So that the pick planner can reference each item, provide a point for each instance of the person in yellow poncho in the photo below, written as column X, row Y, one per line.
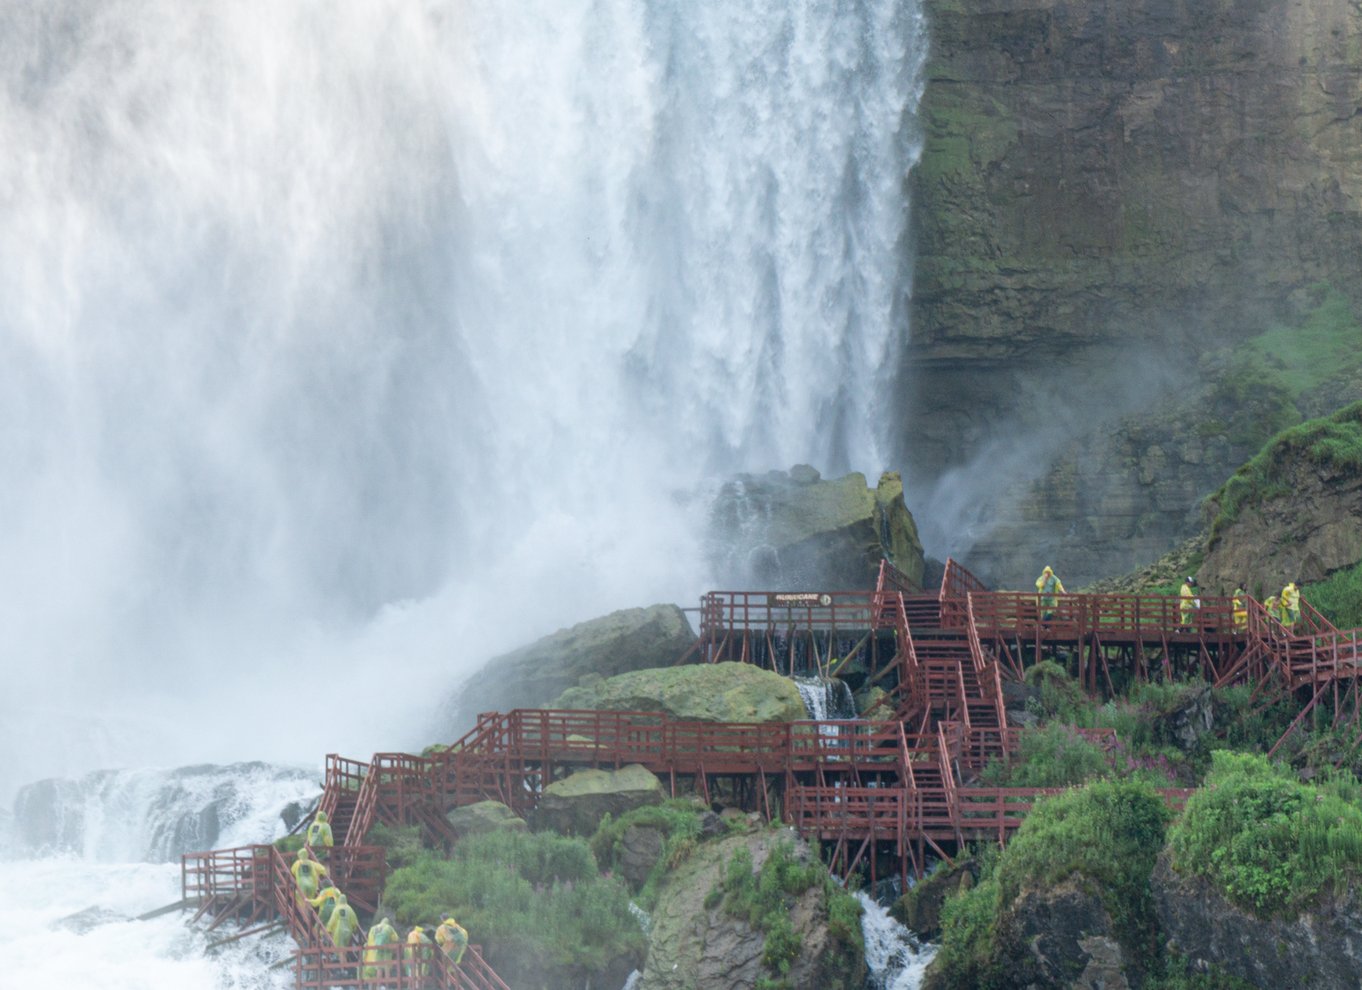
column 319, row 835
column 418, row 952
column 1189, row 602
column 452, row 938
column 380, row 951
column 1290, row 605
column 343, row 924
column 325, row 901
column 1240, row 608
column 307, row 874
column 1048, row 589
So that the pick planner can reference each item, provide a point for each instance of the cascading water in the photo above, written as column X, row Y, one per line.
column 896, row 958
column 826, row 698
column 335, row 332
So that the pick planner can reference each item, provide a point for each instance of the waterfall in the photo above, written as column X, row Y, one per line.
column 155, row 815
column 894, row 955
column 826, row 698
column 325, row 325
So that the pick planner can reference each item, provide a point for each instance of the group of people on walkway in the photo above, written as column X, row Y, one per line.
column 382, row 944
column 1285, row 607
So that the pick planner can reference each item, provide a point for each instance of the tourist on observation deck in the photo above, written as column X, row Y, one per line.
column 1048, row 589
column 1189, row 602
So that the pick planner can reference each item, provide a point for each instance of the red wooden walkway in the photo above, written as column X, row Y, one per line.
column 896, row 785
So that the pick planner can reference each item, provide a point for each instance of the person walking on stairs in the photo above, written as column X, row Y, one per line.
column 319, row 838
column 325, row 901
column 343, row 924
column 307, row 873
column 1291, row 605
column 452, row 938
column 380, row 962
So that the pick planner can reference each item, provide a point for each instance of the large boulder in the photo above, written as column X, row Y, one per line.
column 576, row 804
column 697, row 945
column 796, row 530
column 484, row 816
column 713, row 692
column 1057, row 936
column 1320, row 949
column 630, row 639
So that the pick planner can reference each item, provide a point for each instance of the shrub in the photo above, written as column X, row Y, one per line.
column 968, row 956
column 1052, row 756
column 1108, row 832
column 1270, row 842
column 1339, row 597
column 679, row 820
column 536, row 896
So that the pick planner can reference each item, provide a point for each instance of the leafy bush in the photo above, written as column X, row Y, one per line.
column 1060, row 694
column 679, row 821
column 1270, row 842
column 402, row 842
column 535, row 896
column 1052, row 756
column 968, row 956
column 1108, row 832
column 1339, row 597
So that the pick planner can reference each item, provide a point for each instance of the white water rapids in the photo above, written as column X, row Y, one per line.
column 344, row 345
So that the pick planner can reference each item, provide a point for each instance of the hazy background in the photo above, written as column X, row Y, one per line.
column 344, row 345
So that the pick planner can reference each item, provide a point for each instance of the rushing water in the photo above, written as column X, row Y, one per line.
column 896, row 957
column 333, row 333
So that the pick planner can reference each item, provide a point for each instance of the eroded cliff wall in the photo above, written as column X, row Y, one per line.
column 1111, row 194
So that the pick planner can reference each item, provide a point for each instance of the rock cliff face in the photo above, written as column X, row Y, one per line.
column 1304, row 533
column 1319, row 950
column 1108, row 191
column 699, row 947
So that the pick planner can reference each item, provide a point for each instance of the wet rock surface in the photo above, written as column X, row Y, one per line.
column 1320, row 949
column 630, row 639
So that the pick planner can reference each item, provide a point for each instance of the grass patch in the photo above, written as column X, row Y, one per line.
column 1270, row 842
column 1054, row 755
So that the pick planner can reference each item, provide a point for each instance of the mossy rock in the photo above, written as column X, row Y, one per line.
column 718, row 692
column 484, row 816
column 576, row 804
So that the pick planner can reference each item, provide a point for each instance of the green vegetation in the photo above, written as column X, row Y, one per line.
column 402, row 842
column 763, row 899
column 1052, row 756
column 1338, row 597
column 1332, row 442
column 538, row 897
column 679, row 822
column 1270, row 842
column 1105, row 835
column 1259, row 383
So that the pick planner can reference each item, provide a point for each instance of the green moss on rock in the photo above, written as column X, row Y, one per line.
column 720, row 692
